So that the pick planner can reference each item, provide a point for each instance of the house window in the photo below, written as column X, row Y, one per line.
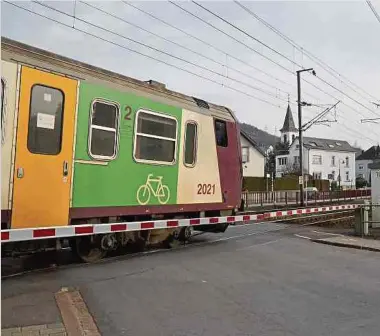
column 293, row 137
column 317, row 159
column 45, row 120
column 347, row 162
column 104, row 130
column 361, row 167
column 333, row 161
column 155, row 138
column 296, row 160
column 285, row 138
column 317, row 176
column 2, row 109
column 190, row 144
column 347, row 176
column 221, row 133
column 245, row 154
column 361, row 176
column 282, row 161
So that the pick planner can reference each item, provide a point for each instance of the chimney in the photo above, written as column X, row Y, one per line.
column 156, row 84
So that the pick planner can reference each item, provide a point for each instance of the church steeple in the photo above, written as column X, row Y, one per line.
column 289, row 129
column 289, row 125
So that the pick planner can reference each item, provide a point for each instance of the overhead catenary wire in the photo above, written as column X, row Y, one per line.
column 208, row 44
column 142, row 54
column 373, row 10
column 310, row 55
column 266, row 57
column 273, row 95
column 180, row 45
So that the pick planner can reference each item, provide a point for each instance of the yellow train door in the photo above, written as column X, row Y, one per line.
column 44, row 150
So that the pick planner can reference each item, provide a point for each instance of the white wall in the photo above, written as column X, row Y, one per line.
column 256, row 161
column 326, row 167
column 375, row 190
column 293, row 152
column 365, row 171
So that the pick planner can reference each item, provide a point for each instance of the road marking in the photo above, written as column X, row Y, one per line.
column 328, row 233
column 304, row 237
column 266, row 243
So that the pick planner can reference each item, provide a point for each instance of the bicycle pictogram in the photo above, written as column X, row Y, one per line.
column 145, row 191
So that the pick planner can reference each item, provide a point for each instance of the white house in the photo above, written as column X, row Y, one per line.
column 375, row 177
column 364, row 160
column 252, row 156
column 322, row 158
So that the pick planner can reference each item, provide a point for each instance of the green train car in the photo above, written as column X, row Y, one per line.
column 82, row 145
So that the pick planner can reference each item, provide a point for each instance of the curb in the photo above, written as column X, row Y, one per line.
column 75, row 315
column 358, row 247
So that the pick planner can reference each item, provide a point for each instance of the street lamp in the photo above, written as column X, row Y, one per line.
column 300, row 139
column 340, row 177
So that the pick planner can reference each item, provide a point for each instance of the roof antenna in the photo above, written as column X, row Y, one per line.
column 288, row 98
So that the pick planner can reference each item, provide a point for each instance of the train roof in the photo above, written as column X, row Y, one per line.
column 27, row 55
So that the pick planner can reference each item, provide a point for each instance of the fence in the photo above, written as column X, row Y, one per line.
column 367, row 216
column 253, row 199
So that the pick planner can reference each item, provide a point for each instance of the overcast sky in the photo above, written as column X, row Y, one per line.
column 345, row 35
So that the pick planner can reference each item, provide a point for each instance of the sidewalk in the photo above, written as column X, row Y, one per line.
column 351, row 242
column 47, row 314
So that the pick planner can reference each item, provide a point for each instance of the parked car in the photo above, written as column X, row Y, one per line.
column 311, row 192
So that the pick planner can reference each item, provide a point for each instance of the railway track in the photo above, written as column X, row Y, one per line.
column 51, row 261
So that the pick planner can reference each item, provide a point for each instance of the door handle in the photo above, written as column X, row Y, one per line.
column 65, row 168
column 20, row 172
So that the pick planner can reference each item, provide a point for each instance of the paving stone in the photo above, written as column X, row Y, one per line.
column 10, row 331
column 54, row 331
column 33, row 328
column 55, row 325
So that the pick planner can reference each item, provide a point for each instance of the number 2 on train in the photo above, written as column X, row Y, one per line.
column 206, row 189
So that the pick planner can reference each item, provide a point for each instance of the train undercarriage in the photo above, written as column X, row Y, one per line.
column 91, row 248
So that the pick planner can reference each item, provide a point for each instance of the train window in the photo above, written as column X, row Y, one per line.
column 2, row 109
column 155, row 138
column 104, row 130
column 221, row 133
column 190, row 144
column 45, row 120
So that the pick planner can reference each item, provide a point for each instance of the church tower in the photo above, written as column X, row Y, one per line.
column 288, row 131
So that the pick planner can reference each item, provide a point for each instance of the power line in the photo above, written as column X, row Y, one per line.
column 142, row 54
column 255, row 39
column 373, row 10
column 208, row 44
column 230, row 36
column 247, row 34
column 179, row 45
column 162, row 52
column 288, row 70
column 311, row 56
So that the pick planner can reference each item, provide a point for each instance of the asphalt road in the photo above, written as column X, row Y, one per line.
column 252, row 280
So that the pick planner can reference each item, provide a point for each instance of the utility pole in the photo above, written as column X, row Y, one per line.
column 300, row 136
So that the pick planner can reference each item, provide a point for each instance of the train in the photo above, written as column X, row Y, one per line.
column 84, row 145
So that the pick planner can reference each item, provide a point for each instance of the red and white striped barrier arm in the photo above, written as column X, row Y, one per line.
column 15, row 235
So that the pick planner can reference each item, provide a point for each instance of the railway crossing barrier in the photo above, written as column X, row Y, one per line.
column 16, row 235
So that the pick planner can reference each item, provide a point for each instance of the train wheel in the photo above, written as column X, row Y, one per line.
column 88, row 249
